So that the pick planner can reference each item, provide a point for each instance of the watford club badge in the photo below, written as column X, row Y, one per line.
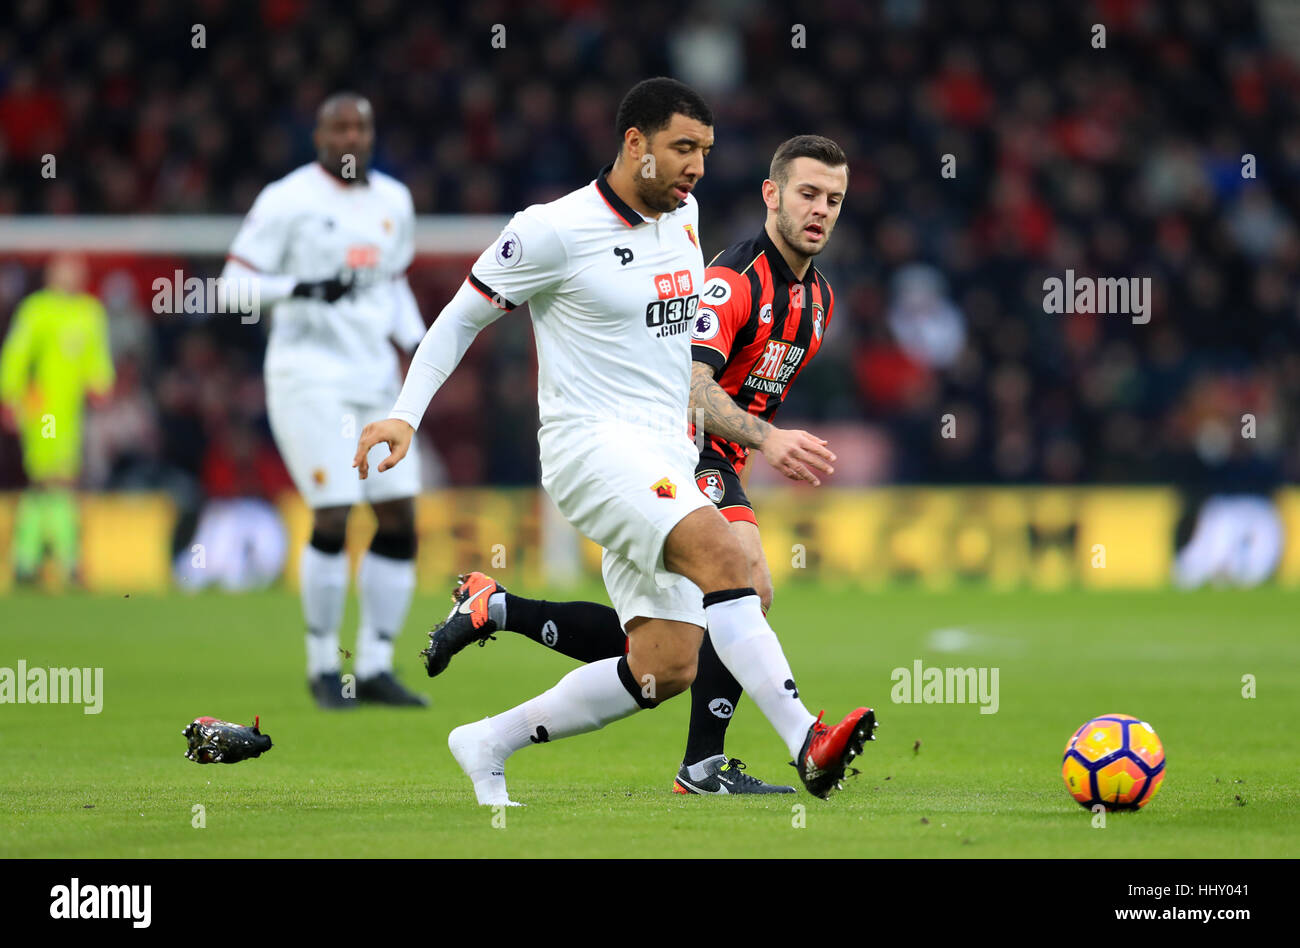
column 664, row 488
column 710, row 485
column 690, row 232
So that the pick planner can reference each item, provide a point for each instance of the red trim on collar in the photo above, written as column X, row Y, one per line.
column 615, row 210
column 612, row 201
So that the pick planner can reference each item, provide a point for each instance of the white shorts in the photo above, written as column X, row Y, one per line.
column 626, row 490
column 316, row 430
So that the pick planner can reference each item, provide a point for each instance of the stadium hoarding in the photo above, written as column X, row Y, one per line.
column 1007, row 538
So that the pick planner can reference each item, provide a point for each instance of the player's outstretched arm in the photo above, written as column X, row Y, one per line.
column 271, row 288
column 253, row 265
column 793, row 452
column 391, row 431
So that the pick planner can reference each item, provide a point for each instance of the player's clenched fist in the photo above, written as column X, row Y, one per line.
column 794, row 453
column 392, row 432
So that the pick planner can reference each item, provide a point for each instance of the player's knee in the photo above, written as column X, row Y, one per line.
column 329, row 528
column 763, row 586
column 395, row 517
column 395, row 530
column 673, row 676
column 662, row 666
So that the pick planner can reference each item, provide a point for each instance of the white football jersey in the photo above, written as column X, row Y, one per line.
column 612, row 297
column 311, row 226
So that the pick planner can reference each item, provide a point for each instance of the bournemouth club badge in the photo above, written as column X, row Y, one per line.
column 710, row 485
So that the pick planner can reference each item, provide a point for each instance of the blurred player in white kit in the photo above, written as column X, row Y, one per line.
column 327, row 247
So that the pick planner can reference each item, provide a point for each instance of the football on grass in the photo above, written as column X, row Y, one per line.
column 1115, row 760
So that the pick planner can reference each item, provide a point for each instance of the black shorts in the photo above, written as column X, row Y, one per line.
column 718, row 481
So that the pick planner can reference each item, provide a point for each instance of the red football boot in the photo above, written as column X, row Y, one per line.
column 827, row 751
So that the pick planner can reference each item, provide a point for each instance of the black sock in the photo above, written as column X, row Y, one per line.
column 714, row 695
column 586, row 631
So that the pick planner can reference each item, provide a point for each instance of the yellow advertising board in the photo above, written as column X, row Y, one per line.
column 932, row 537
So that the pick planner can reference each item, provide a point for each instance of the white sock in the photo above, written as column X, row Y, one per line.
column 483, row 758
column 323, row 587
column 750, row 650
column 586, row 699
column 385, row 586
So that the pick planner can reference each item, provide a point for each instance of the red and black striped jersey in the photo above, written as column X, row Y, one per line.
column 758, row 325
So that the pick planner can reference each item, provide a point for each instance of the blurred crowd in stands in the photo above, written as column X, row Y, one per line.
column 1173, row 152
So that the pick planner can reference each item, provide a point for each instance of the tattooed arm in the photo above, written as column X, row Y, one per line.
column 792, row 452
column 717, row 412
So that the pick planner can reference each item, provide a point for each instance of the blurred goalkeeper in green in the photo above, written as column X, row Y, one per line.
column 56, row 350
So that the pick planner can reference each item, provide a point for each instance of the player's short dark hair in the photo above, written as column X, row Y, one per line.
column 651, row 104
column 816, row 147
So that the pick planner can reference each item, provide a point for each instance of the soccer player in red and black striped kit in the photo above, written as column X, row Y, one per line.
column 764, row 312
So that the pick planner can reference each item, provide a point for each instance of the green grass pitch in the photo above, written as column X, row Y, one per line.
column 381, row 782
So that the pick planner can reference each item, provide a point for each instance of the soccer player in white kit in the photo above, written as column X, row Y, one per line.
column 612, row 273
column 327, row 247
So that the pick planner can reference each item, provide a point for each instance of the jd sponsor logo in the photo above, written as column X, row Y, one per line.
column 920, row 685
column 25, row 685
column 721, row 708
column 103, row 901
column 550, row 633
